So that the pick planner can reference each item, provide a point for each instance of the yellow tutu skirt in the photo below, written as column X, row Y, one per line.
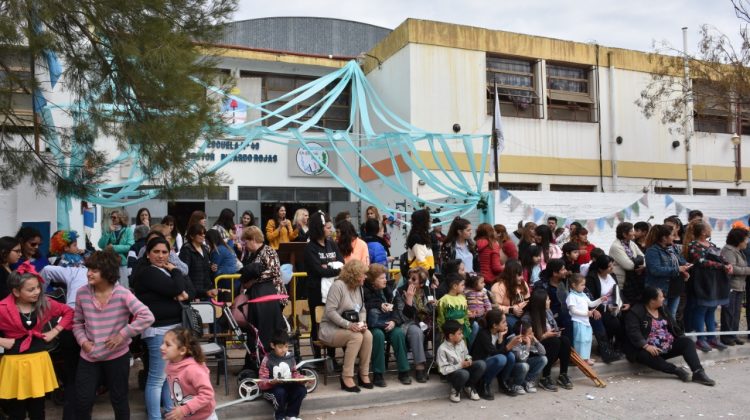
column 26, row 376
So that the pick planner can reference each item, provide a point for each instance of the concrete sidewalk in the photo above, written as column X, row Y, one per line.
column 330, row 398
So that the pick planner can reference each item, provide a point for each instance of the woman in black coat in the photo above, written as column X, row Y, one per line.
column 606, row 325
column 196, row 256
column 652, row 337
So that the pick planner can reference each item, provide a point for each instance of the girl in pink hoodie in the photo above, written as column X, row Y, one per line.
column 187, row 377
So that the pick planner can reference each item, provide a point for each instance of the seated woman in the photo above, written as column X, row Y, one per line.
column 510, row 293
column 344, row 324
column 652, row 337
column 385, row 323
column 605, row 323
column 548, row 333
column 415, row 305
column 553, row 279
column 498, row 359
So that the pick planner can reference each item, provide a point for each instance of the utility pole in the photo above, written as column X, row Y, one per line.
column 688, row 120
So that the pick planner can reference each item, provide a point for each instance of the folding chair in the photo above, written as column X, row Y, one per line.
column 328, row 365
column 212, row 348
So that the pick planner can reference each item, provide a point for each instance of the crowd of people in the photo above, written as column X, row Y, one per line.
column 507, row 306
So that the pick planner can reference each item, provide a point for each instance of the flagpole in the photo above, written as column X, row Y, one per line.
column 496, row 184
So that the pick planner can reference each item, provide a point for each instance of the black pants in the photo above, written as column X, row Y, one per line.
column 70, row 352
column 556, row 348
column 18, row 409
column 286, row 399
column 682, row 346
column 467, row 377
column 115, row 373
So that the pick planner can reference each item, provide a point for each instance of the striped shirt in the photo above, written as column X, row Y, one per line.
column 96, row 322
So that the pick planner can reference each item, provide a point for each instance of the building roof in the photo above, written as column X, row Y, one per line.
column 305, row 35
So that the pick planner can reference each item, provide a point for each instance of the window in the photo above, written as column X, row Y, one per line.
column 705, row 191
column 569, row 94
column 572, row 188
column 16, row 83
column 277, row 194
column 520, row 186
column 711, row 108
column 736, row 192
column 339, row 194
column 277, row 85
column 516, row 87
column 669, row 190
column 247, row 193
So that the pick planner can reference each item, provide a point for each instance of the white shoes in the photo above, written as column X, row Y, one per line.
column 530, row 388
column 455, row 396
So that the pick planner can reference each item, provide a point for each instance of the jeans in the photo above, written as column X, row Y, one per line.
column 286, row 399
column 704, row 317
column 730, row 314
column 498, row 366
column 157, row 391
column 474, row 332
column 671, row 305
column 467, row 377
column 536, row 364
column 115, row 374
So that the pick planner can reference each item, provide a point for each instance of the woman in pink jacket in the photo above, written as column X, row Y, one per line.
column 490, row 255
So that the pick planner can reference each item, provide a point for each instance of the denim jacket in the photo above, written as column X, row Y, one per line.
column 661, row 267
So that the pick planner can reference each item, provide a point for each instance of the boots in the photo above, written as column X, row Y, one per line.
column 605, row 349
column 485, row 391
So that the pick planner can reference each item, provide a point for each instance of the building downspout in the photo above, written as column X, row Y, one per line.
column 599, row 122
column 612, row 121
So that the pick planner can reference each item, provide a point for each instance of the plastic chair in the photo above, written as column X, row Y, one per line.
column 213, row 348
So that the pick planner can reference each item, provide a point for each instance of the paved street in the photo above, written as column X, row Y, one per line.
column 635, row 396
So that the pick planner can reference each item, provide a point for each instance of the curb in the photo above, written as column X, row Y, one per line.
column 331, row 400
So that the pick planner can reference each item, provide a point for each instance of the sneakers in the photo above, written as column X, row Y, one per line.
column 518, row 389
column 564, row 381
column 455, row 396
column 683, row 374
column 529, row 387
column 703, row 346
column 507, row 389
column 485, row 391
column 473, row 395
column 547, row 384
column 700, row 377
column 717, row 344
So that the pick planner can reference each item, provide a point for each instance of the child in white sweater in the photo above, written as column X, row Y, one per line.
column 580, row 309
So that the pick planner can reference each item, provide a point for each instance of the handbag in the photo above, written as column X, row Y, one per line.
column 191, row 320
column 350, row 315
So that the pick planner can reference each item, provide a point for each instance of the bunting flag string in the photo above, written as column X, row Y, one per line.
column 597, row 223
column 715, row 222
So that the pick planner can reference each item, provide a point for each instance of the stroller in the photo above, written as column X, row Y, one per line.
column 247, row 379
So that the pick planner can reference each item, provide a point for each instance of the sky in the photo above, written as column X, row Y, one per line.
column 631, row 24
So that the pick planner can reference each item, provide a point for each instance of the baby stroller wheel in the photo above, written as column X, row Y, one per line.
column 249, row 389
column 312, row 374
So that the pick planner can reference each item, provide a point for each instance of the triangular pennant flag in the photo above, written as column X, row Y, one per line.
column 636, row 208
column 538, row 215
column 611, row 221
column 504, row 194
column 720, row 224
column 590, row 225
column 527, row 211
column 712, row 222
column 628, row 213
column 514, row 203
column 678, row 208
column 600, row 223
column 620, row 215
column 668, row 200
column 644, row 200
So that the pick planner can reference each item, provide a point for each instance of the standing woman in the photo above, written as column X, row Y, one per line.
column 350, row 245
column 528, row 237
column 666, row 270
column 246, row 220
column 26, row 368
column 143, row 217
column 301, row 217
column 197, row 258
column 557, row 346
column 197, row 217
column 119, row 237
column 173, row 236
column 490, row 255
column 506, row 244
column 225, row 226
column 10, row 253
column 709, row 282
column 550, row 250
column 628, row 258
column 223, row 259
column 162, row 288
column 418, row 244
column 458, row 245
column 581, row 238
column 30, row 239
column 734, row 253
column 320, row 252
column 279, row 230
column 261, row 276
